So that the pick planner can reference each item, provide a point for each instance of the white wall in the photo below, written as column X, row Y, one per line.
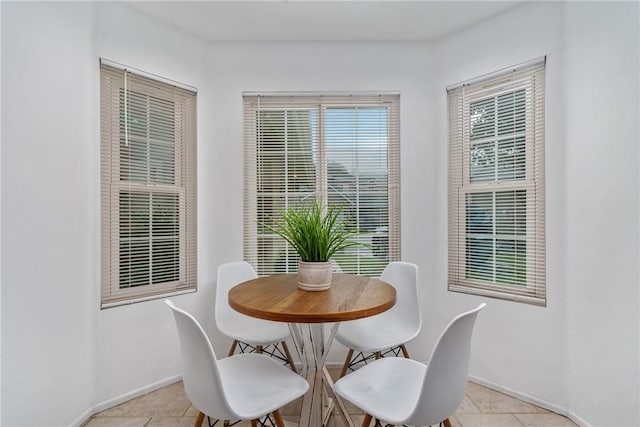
column 62, row 355
column 47, row 239
column 601, row 168
column 137, row 343
column 581, row 351
column 0, row 222
column 404, row 67
column 517, row 346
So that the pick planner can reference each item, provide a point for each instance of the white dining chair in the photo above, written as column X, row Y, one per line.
column 249, row 334
column 386, row 333
column 406, row 392
column 241, row 387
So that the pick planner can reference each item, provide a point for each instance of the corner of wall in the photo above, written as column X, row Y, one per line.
column 602, row 269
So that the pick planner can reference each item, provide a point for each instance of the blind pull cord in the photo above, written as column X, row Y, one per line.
column 126, row 110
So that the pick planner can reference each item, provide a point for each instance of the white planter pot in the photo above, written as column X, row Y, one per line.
column 314, row 276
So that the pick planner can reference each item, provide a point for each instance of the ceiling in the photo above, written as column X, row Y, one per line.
column 292, row 20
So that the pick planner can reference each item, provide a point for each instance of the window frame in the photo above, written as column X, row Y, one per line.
column 530, row 78
column 254, row 103
column 115, row 81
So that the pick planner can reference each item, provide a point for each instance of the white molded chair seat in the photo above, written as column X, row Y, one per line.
column 404, row 391
column 393, row 328
column 391, row 374
column 239, row 387
column 256, row 385
column 255, row 332
column 375, row 335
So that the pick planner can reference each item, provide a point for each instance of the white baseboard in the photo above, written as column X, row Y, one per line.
column 82, row 418
column 533, row 400
column 123, row 398
column 578, row 420
column 522, row 396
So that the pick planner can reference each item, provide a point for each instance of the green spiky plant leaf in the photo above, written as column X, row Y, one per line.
column 314, row 234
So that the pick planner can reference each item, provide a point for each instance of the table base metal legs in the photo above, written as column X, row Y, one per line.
column 318, row 403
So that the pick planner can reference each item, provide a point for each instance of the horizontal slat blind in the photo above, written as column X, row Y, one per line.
column 342, row 149
column 496, row 186
column 148, row 187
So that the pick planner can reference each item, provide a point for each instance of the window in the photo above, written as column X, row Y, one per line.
column 148, row 186
column 343, row 150
column 496, row 185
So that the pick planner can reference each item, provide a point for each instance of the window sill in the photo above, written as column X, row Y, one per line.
column 499, row 294
column 134, row 300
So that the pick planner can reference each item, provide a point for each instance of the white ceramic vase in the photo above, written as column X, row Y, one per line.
column 314, row 276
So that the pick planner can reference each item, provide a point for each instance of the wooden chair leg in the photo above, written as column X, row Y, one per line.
column 405, row 353
column 289, row 358
column 254, row 423
column 258, row 349
column 378, row 355
column 447, row 423
column 199, row 420
column 278, row 418
column 366, row 421
column 227, row 423
column 346, row 363
column 233, row 347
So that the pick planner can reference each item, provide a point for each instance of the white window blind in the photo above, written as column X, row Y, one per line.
column 343, row 150
column 496, row 185
column 148, row 186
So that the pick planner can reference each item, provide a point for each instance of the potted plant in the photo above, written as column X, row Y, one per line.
column 316, row 235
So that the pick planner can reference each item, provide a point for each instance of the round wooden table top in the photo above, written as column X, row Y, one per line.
column 278, row 298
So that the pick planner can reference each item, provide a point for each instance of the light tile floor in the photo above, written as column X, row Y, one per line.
column 481, row 407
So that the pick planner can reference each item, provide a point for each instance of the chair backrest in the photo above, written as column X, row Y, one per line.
column 229, row 275
column 200, row 373
column 404, row 278
column 447, row 373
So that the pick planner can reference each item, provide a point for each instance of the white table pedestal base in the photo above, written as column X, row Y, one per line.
column 318, row 403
